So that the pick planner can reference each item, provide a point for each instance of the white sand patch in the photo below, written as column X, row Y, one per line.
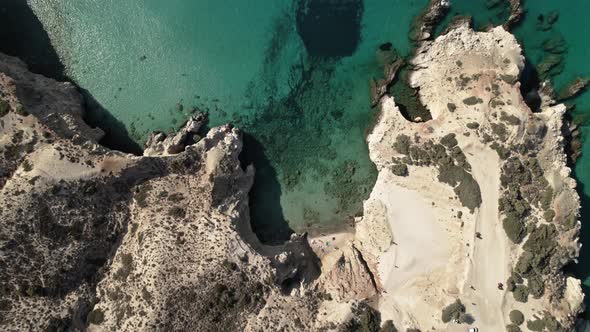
column 419, row 242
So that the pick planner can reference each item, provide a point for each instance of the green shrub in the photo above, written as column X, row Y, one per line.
column 501, row 150
column 514, row 229
column 536, row 325
column 542, row 241
column 460, row 158
column 399, row 169
column 95, row 317
column 449, row 140
column 510, row 79
column 516, row 317
column 27, row 167
column 510, row 284
column 472, row 125
column 453, row 312
column 469, row 193
column 176, row 197
column 20, row 110
column 465, row 186
column 510, row 119
column 473, row 100
column 176, row 212
column 499, row 129
column 536, row 286
column 524, row 265
column 419, row 155
column 126, row 267
column 547, row 198
column 366, row 319
column 549, row 215
column 513, row 328
column 142, row 194
column 451, row 107
column 4, row 108
column 551, row 324
column 570, row 222
column 402, row 144
column 521, row 293
column 388, row 327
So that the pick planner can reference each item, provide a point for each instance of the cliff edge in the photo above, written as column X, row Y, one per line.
column 476, row 207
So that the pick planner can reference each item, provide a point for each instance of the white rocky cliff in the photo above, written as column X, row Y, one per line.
column 477, row 204
column 473, row 216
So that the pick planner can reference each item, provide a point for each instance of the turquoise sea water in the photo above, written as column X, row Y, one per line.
column 294, row 75
column 301, row 95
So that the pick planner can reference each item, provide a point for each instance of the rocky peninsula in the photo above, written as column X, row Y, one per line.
column 470, row 223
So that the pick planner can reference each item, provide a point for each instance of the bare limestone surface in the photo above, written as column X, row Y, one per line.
column 98, row 240
column 479, row 203
column 473, row 216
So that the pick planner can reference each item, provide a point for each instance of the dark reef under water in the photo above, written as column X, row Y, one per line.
column 328, row 28
column 299, row 116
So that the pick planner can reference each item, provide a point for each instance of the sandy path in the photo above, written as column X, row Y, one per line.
column 420, row 244
column 490, row 258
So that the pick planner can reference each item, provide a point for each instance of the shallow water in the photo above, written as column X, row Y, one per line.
column 294, row 75
column 301, row 96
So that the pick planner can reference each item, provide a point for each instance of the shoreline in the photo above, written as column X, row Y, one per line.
column 442, row 243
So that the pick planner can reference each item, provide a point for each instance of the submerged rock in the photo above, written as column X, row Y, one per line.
column 574, row 88
column 158, row 144
column 424, row 24
column 516, row 13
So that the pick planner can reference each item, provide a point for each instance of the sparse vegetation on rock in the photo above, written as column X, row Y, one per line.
column 454, row 312
column 514, row 229
column 95, row 317
column 512, row 328
column 399, row 169
column 510, row 119
column 388, row 327
column 521, row 293
column 516, row 317
column 473, row 100
column 4, row 108
column 449, row 140
column 402, row 144
column 366, row 319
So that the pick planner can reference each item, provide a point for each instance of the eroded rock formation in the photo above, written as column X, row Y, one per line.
column 472, row 218
column 100, row 240
column 479, row 203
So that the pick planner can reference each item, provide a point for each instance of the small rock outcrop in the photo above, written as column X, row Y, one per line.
column 425, row 23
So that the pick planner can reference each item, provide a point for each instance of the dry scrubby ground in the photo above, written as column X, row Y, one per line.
column 478, row 195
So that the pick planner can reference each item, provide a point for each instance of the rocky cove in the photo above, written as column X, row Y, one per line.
column 473, row 215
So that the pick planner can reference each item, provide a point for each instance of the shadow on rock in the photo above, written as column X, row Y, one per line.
column 266, row 213
column 530, row 83
column 116, row 135
column 582, row 269
column 23, row 36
